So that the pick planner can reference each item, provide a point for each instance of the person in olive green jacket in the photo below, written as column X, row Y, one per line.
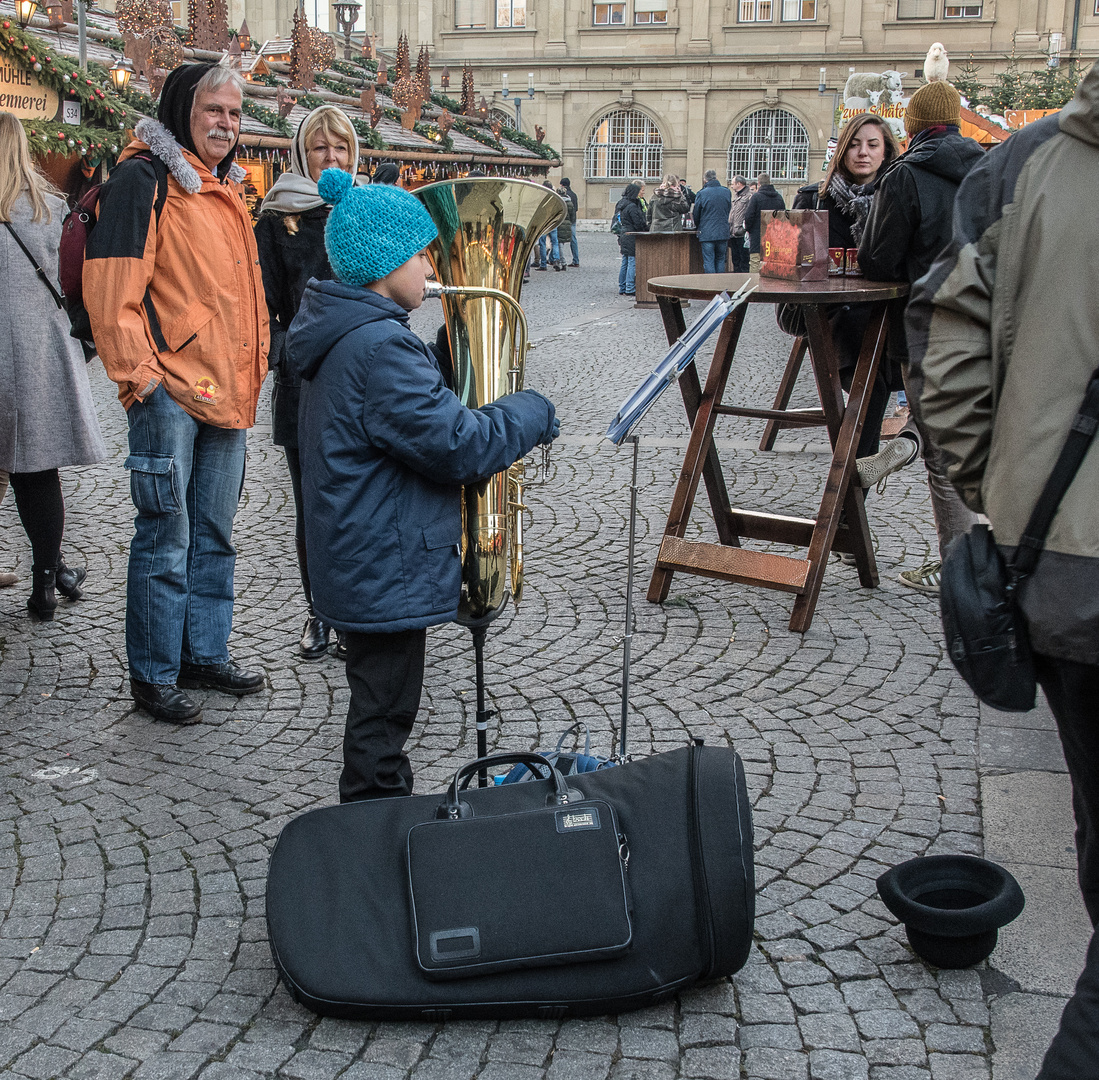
column 1003, row 336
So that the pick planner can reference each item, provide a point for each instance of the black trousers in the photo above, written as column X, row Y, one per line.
column 386, row 676
column 42, row 511
column 1073, row 693
column 738, row 255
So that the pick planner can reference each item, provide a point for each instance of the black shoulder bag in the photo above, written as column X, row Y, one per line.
column 985, row 630
column 37, row 269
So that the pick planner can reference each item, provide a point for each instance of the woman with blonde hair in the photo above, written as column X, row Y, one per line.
column 290, row 238
column 668, row 206
column 47, row 419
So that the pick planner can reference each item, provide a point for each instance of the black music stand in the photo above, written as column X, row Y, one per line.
column 479, row 629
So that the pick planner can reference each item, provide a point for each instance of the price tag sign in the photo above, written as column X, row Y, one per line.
column 70, row 112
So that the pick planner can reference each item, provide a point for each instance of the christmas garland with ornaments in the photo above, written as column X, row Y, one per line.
column 101, row 140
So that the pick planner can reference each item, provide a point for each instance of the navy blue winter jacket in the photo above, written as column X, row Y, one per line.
column 711, row 212
column 385, row 447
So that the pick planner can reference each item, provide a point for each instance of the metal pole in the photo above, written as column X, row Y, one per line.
column 82, row 34
column 628, row 638
column 483, row 714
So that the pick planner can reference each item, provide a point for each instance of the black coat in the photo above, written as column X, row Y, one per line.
column 912, row 214
column 633, row 221
column 911, row 217
column 764, row 199
column 288, row 260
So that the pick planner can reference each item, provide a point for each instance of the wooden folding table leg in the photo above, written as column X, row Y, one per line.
column 785, row 390
column 691, row 390
column 699, row 446
column 844, row 428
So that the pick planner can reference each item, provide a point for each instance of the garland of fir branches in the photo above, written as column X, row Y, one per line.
column 484, row 137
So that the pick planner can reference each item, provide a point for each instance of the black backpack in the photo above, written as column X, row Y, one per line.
column 616, row 225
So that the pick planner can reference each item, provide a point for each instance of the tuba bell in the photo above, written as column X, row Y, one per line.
column 488, row 228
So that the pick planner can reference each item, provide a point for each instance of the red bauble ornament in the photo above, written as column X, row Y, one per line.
column 7, row 25
column 33, row 60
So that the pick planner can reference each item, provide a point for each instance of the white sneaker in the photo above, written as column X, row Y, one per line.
column 872, row 470
column 927, row 579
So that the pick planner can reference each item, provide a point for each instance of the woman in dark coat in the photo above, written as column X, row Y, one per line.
column 47, row 418
column 290, row 238
column 865, row 149
column 631, row 218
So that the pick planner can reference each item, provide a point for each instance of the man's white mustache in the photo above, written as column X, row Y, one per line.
column 217, row 133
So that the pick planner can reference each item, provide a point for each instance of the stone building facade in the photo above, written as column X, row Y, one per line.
column 644, row 87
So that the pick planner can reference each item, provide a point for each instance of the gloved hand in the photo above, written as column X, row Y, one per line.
column 553, row 428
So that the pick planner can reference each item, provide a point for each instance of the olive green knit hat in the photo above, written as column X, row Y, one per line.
column 935, row 103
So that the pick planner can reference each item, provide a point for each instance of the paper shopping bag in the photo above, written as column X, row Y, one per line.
column 794, row 245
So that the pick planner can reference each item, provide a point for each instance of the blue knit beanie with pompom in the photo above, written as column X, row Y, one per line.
column 371, row 230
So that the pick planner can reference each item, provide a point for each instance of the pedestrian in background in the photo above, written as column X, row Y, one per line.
column 566, row 229
column 908, row 226
column 738, row 247
column 668, row 206
column 178, row 313
column 555, row 259
column 712, row 206
column 630, row 219
column 1003, row 337
column 290, row 239
column 567, row 185
column 47, row 418
column 764, row 198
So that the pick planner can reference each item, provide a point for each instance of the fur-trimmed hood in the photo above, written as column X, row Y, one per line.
column 164, row 145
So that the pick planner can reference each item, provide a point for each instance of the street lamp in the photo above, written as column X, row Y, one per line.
column 347, row 15
column 445, row 78
column 55, row 12
column 822, row 89
column 504, row 92
column 24, row 11
column 121, row 72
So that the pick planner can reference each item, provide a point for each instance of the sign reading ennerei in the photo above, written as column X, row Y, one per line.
column 22, row 94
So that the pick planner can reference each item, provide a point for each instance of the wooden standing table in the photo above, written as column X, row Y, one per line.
column 727, row 560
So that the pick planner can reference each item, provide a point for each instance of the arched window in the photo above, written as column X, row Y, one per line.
column 622, row 144
column 770, row 141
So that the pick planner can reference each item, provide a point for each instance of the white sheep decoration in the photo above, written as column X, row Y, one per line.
column 868, row 88
column 937, row 65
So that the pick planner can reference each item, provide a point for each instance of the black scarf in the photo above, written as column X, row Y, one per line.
column 174, row 111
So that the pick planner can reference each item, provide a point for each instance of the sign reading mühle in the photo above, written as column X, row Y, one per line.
column 22, row 94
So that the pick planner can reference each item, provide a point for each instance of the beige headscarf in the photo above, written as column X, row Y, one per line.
column 294, row 192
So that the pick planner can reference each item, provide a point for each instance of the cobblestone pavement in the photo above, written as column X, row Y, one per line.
column 133, row 855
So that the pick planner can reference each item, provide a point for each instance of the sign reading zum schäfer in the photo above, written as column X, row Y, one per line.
column 22, row 94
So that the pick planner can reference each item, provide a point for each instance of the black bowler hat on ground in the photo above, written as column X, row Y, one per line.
column 952, row 906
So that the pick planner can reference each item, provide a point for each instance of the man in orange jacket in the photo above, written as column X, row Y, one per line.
column 174, row 293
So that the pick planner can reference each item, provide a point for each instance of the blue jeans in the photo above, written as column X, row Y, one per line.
column 575, row 249
column 185, row 480
column 713, row 255
column 626, row 283
column 555, row 248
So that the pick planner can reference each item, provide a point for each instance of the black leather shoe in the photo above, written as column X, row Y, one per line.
column 42, row 601
column 165, row 702
column 69, row 580
column 314, row 638
column 226, row 677
column 341, row 646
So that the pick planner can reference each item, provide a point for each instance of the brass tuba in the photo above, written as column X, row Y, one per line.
column 488, row 228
